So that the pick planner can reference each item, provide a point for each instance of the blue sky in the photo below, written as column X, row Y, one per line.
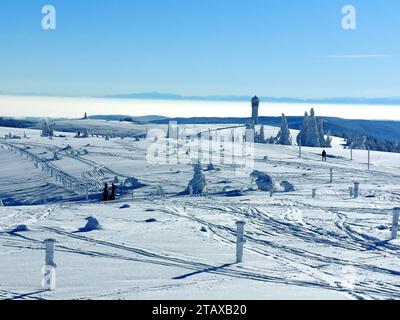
column 280, row 48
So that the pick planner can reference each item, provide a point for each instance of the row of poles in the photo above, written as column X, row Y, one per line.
column 354, row 192
column 245, row 146
column 351, row 155
column 50, row 267
column 49, row 270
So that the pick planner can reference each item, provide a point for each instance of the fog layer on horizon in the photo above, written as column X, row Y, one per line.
column 24, row 106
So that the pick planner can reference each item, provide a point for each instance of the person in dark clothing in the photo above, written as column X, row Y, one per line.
column 324, row 156
column 113, row 188
column 105, row 192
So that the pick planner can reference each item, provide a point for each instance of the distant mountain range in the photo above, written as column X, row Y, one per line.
column 339, row 100
column 172, row 96
column 113, row 117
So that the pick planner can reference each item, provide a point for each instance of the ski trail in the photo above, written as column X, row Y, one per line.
column 310, row 269
column 151, row 257
column 24, row 217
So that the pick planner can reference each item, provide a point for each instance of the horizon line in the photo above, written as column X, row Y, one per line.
column 172, row 96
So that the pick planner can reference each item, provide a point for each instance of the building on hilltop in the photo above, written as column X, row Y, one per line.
column 255, row 104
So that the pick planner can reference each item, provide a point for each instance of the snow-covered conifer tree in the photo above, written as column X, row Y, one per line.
column 284, row 137
column 47, row 129
column 261, row 136
column 198, row 182
column 301, row 137
column 312, row 138
column 312, row 132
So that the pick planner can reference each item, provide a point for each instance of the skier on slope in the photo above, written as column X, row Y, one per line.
column 105, row 192
column 113, row 189
column 324, row 156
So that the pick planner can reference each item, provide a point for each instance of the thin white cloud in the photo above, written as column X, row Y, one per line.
column 353, row 56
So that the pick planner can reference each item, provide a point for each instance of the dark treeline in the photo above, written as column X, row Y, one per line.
column 365, row 142
column 14, row 123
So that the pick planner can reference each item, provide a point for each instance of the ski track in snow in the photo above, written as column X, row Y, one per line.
column 321, row 278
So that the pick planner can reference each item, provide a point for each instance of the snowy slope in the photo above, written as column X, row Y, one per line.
column 329, row 247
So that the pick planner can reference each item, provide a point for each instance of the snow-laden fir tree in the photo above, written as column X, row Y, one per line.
column 47, row 129
column 198, row 182
column 328, row 140
column 301, row 137
column 284, row 137
column 260, row 137
column 85, row 133
column 324, row 142
column 312, row 138
column 311, row 133
column 321, row 133
column 358, row 142
column 264, row 181
column 363, row 142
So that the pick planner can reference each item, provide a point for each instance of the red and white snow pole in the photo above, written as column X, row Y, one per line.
column 299, row 148
column 222, row 150
column 240, row 241
column 395, row 224
column 49, row 269
column 314, row 193
column 210, row 148
column 356, row 189
column 233, row 148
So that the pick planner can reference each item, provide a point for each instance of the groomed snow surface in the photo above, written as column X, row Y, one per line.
column 182, row 247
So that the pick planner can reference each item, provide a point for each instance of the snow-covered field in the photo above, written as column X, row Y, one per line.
column 182, row 247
